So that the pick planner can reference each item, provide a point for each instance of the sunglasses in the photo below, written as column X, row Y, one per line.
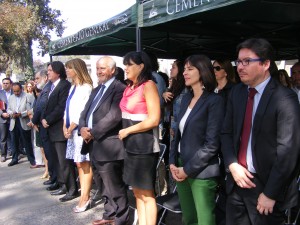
column 218, row 68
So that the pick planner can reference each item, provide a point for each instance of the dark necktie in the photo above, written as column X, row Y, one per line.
column 246, row 128
column 95, row 102
column 68, row 107
column 52, row 88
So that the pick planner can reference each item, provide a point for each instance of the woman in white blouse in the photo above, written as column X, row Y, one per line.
column 78, row 95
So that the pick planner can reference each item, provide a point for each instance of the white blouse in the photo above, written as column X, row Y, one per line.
column 78, row 101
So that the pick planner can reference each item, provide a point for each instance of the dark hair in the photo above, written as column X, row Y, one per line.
column 7, row 78
column 139, row 58
column 283, row 74
column 226, row 64
column 178, row 84
column 263, row 49
column 59, row 68
column 206, row 71
column 153, row 60
column 17, row 84
column 120, row 75
column 165, row 77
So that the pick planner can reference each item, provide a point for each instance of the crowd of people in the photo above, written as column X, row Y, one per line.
column 230, row 132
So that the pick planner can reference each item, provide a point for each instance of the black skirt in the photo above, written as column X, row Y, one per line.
column 140, row 170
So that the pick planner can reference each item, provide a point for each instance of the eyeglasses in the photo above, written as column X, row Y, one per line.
column 218, row 68
column 245, row 62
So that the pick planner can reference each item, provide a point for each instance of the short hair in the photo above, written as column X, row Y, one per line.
column 17, row 84
column 153, row 60
column 296, row 64
column 263, row 49
column 59, row 68
column 227, row 66
column 43, row 73
column 206, row 71
column 139, row 58
column 7, row 78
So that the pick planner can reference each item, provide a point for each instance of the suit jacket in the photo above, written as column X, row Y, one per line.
column 107, row 121
column 200, row 140
column 5, row 100
column 54, row 111
column 25, row 105
column 40, row 104
column 275, row 139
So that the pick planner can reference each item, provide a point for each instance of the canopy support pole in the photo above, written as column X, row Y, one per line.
column 138, row 39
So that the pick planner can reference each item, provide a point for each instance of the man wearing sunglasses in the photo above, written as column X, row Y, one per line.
column 260, row 142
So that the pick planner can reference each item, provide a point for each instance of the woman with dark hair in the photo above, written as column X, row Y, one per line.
column 141, row 114
column 194, row 160
column 225, row 76
column 284, row 78
column 174, row 94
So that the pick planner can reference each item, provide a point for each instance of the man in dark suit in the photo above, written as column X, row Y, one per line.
column 260, row 142
column 52, row 119
column 99, row 125
column 4, row 118
column 42, row 83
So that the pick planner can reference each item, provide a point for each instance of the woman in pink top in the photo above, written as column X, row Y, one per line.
column 141, row 114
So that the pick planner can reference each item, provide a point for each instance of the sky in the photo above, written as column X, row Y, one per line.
column 79, row 14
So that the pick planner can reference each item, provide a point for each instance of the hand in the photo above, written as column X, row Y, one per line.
column 176, row 173
column 168, row 96
column 16, row 115
column 123, row 134
column 85, row 133
column 44, row 123
column 30, row 124
column 5, row 115
column 181, row 174
column 36, row 128
column 264, row 204
column 241, row 176
column 29, row 114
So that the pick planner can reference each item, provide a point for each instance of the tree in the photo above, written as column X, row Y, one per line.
column 21, row 22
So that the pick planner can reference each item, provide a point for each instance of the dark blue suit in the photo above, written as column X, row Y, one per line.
column 275, row 149
column 38, row 111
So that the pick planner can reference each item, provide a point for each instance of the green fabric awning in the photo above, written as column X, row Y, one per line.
column 156, row 12
column 88, row 40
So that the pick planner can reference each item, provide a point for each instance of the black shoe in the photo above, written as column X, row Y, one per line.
column 53, row 187
column 60, row 191
column 68, row 197
column 49, row 182
column 12, row 163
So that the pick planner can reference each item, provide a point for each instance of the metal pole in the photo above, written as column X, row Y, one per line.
column 138, row 39
column 51, row 58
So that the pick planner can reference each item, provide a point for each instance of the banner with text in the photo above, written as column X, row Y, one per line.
column 107, row 27
column 155, row 12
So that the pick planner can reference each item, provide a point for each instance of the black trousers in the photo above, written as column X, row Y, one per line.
column 241, row 207
column 65, row 167
column 45, row 142
column 116, row 205
column 25, row 135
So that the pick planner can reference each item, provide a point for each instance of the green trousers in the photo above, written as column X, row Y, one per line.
column 197, row 200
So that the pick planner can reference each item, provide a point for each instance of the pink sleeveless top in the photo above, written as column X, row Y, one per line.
column 134, row 110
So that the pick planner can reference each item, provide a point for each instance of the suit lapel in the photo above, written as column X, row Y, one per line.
column 261, row 108
column 106, row 94
column 242, row 99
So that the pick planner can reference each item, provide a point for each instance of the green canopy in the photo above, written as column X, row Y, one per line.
column 103, row 38
column 178, row 28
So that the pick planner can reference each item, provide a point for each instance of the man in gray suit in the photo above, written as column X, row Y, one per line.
column 4, row 118
column 18, row 107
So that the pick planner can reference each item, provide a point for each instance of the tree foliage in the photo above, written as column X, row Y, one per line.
column 21, row 22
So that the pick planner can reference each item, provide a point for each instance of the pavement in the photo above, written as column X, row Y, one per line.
column 24, row 200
